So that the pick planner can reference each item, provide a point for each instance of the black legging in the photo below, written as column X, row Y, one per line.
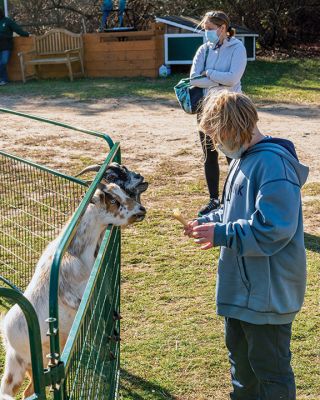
column 211, row 165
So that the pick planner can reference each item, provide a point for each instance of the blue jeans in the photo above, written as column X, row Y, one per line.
column 105, row 16
column 260, row 361
column 4, row 59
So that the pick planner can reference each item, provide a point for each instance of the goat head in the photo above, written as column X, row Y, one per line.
column 131, row 182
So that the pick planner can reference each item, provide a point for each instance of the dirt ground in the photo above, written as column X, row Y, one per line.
column 150, row 132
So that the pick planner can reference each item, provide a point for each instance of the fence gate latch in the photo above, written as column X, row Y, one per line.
column 54, row 376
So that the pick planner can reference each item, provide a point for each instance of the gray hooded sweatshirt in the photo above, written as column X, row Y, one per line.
column 262, row 264
column 225, row 66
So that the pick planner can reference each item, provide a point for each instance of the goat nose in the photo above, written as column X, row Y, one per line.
column 142, row 209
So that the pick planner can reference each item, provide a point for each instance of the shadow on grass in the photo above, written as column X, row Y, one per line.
column 87, row 89
column 290, row 110
column 312, row 242
column 137, row 388
column 82, row 95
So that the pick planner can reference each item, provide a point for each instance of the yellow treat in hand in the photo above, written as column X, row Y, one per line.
column 177, row 215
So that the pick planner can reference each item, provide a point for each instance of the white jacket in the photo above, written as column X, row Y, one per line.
column 224, row 67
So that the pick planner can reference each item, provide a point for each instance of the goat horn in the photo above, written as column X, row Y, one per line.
column 90, row 168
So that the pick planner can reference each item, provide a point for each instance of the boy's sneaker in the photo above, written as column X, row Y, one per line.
column 212, row 205
column 3, row 83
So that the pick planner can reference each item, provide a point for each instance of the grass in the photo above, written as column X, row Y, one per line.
column 291, row 81
column 172, row 345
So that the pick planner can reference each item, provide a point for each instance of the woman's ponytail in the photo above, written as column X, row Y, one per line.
column 231, row 32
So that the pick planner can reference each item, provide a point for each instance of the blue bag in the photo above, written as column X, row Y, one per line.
column 189, row 97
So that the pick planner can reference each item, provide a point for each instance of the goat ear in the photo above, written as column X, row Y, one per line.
column 142, row 187
column 99, row 196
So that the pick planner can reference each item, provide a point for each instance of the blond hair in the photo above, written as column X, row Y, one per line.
column 218, row 18
column 229, row 118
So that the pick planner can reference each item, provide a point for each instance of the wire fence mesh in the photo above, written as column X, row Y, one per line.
column 34, row 205
column 92, row 354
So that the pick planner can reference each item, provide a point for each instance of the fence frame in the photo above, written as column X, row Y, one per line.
column 55, row 375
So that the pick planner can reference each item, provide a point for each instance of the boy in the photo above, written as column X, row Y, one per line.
column 262, row 265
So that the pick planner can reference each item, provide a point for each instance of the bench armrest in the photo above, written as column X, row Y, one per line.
column 25, row 53
column 76, row 50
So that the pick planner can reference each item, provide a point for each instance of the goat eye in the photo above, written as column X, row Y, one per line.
column 113, row 201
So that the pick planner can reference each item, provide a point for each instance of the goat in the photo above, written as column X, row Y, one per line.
column 109, row 205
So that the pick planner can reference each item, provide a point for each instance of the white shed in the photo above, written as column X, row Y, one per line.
column 183, row 36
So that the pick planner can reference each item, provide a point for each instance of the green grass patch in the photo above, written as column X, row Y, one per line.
column 172, row 340
column 286, row 81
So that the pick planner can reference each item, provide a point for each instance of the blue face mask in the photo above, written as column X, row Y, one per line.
column 232, row 154
column 212, row 36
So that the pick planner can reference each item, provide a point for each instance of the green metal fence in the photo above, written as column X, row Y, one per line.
column 35, row 202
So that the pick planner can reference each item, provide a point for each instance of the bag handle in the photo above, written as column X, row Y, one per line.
column 204, row 67
column 206, row 57
column 188, row 80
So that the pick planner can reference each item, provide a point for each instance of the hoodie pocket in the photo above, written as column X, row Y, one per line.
column 232, row 283
column 243, row 272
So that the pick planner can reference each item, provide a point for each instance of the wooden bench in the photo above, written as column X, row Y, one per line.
column 57, row 46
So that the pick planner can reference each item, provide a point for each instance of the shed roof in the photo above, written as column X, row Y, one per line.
column 193, row 24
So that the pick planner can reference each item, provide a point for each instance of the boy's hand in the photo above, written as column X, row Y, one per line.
column 204, row 235
column 188, row 229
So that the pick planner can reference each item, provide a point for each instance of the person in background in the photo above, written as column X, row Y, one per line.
column 261, row 276
column 106, row 8
column 222, row 60
column 122, row 7
column 7, row 27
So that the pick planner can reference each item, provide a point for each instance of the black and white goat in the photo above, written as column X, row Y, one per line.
column 109, row 205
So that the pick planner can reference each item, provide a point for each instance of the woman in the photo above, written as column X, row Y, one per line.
column 7, row 27
column 222, row 61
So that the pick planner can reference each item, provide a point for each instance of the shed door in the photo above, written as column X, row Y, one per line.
column 181, row 48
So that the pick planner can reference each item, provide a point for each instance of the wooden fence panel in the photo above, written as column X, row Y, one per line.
column 19, row 44
column 113, row 54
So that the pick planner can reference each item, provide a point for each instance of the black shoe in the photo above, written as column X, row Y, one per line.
column 212, row 205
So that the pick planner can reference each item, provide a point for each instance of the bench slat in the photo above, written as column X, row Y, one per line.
column 58, row 60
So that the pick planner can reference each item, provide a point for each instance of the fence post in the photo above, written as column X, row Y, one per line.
column 18, row 298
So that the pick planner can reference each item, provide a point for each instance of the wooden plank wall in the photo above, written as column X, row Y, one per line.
column 112, row 54
column 19, row 44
